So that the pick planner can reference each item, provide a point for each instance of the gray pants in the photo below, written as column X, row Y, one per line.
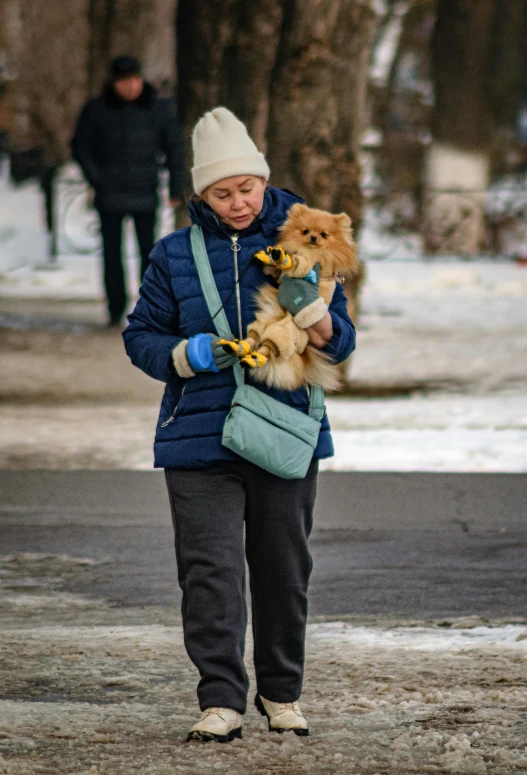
column 211, row 510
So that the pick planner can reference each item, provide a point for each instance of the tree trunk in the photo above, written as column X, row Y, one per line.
column 461, row 54
column 458, row 160
column 48, row 41
column 226, row 55
column 8, row 34
column 318, row 102
column 507, row 87
column 508, row 76
column 61, row 52
column 295, row 73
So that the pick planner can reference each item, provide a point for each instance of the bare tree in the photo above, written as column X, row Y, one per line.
column 295, row 72
column 226, row 56
column 461, row 52
column 458, row 159
column 48, row 43
column 508, row 64
column 317, row 105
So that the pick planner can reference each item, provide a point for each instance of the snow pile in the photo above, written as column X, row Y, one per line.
column 461, row 450
column 511, row 636
column 446, row 295
column 463, row 325
column 436, row 433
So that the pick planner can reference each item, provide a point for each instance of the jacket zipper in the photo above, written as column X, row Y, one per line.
column 235, row 247
column 173, row 416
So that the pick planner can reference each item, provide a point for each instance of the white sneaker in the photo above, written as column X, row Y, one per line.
column 282, row 716
column 219, row 724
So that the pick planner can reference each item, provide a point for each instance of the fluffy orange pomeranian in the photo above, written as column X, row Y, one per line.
column 277, row 344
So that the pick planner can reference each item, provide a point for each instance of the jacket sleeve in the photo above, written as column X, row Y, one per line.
column 342, row 343
column 83, row 145
column 151, row 334
column 174, row 148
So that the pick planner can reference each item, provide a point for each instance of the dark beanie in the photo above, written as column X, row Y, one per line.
column 124, row 66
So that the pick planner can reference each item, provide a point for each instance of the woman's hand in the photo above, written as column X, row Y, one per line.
column 205, row 354
column 300, row 297
column 321, row 333
column 201, row 353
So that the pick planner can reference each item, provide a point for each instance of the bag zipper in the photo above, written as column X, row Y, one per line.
column 173, row 416
column 235, row 247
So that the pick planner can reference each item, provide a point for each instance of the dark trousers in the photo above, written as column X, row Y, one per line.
column 111, row 231
column 212, row 509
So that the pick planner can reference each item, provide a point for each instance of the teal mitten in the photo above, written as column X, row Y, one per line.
column 300, row 297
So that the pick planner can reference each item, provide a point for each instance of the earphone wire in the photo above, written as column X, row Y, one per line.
column 232, row 290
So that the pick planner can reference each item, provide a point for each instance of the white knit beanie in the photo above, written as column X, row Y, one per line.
column 222, row 148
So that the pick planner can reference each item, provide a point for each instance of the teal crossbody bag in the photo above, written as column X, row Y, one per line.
column 259, row 428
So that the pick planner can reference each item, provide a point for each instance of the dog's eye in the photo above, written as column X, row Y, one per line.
column 323, row 234
column 306, row 231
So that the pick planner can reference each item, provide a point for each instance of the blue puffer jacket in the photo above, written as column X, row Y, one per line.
column 171, row 307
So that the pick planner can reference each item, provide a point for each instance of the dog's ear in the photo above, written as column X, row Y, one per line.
column 297, row 209
column 343, row 220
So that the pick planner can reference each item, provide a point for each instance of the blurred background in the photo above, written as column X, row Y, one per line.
column 410, row 115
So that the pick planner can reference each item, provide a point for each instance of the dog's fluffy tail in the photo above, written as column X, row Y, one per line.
column 310, row 368
column 320, row 370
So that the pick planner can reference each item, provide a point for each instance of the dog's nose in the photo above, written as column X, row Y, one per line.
column 313, row 239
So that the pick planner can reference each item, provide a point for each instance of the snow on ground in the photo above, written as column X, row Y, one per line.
column 25, row 267
column 438, row 412
column 445, row 294
column 23, row 240
column 422, row 638
column 469, row 451
column 91, row 688
column 378, row 240
column 397, row 440
column 436, row 433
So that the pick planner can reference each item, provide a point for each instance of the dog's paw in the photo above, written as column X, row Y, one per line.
column 254, row 360
column 281, row 259
column 275, row 257
column 236, row 346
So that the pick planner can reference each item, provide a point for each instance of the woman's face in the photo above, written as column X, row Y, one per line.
column 237, row 201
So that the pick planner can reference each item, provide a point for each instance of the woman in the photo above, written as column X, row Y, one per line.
column 224, row 508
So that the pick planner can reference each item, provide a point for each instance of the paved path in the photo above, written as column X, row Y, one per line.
column 415, row 545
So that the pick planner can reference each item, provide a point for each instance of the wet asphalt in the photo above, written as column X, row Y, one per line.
column 422, row 546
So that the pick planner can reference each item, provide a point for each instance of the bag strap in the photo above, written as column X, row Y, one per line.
column 317, row 407
column 210, row 291
column 213, row 300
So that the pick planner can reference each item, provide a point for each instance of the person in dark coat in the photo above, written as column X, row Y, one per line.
column 122, row 138
column 225, row 508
